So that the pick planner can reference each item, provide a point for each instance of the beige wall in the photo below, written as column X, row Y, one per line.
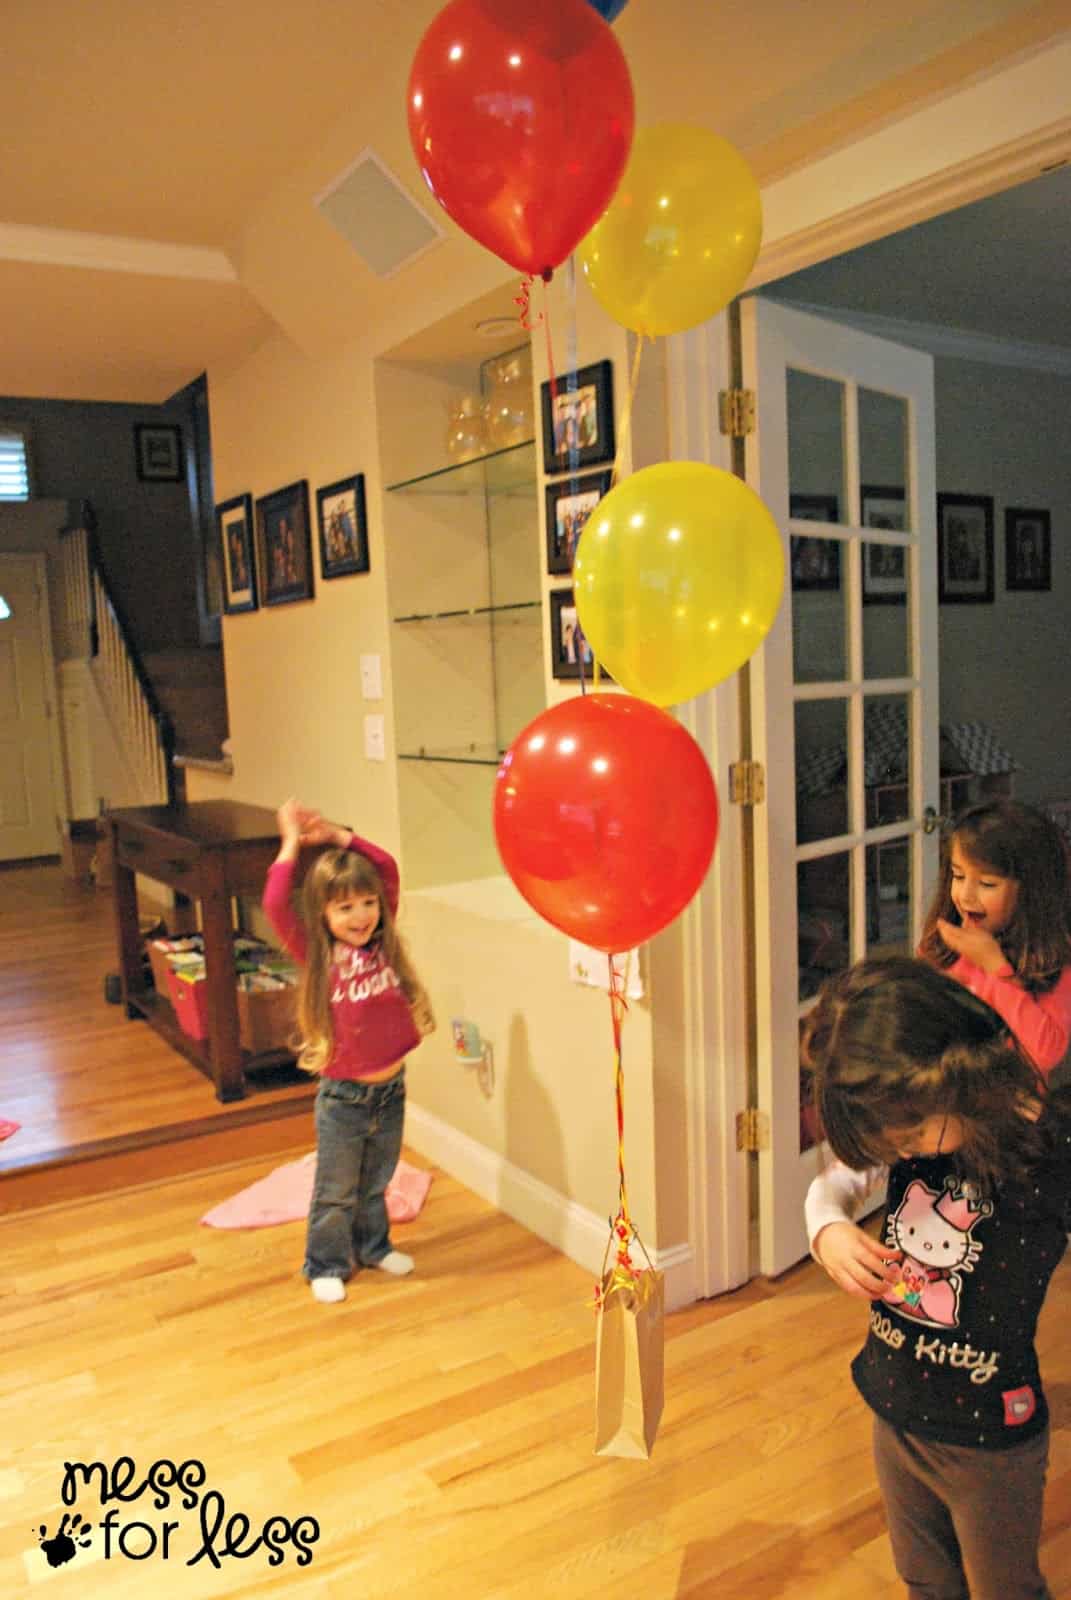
column 296, row 714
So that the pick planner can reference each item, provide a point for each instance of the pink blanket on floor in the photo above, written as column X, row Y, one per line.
column 284, row 1195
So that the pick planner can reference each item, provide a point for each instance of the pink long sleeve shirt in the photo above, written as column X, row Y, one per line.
column 371, row 1023
column 1041, row 1023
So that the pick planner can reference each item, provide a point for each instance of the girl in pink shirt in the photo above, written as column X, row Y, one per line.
column 361, row 1009
column 999, row 924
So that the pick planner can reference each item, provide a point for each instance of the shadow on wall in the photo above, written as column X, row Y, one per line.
column 533, row 1137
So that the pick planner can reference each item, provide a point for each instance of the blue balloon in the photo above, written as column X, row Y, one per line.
column 609, row 9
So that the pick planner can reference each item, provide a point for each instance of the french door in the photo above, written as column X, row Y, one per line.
column 843, row 697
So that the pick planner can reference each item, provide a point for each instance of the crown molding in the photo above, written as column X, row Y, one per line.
column 103, row 252
column 959, row 344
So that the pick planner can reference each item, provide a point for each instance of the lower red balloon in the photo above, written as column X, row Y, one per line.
column 606, row 818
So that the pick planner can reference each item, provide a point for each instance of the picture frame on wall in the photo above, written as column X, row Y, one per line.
column 284, row 544
column 234, row 528
column 158, row 452
column 343, row 527
column 578, row 419
column 1027, row 549
column 569, row 504
column 965, row 549
column 814, row 562
column 569, row 649
column 884, row 565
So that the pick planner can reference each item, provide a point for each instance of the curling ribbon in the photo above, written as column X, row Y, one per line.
column 624, row 1273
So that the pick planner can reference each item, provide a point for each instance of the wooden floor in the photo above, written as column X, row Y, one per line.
column 438, row 1428
column 84, row 1080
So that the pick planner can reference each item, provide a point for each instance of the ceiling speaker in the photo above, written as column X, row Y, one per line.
column 375, row 215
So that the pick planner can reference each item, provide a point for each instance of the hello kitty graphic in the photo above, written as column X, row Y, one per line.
column 935, row 1233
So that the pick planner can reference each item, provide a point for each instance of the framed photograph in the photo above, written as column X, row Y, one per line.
column 815, row 562
column 884, row 565
column 578, row 419
column 284, row 545
column 1027, row 549
column 569, row 505
column 158, row 452
column 234, row 525
column 343, row 527
column 568, row 647
column 965, row 549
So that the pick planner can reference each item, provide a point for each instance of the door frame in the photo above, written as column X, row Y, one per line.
column 1009, row 127
column 38, row 565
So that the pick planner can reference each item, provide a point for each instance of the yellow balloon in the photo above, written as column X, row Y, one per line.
column 681, row 234
column 678, row 576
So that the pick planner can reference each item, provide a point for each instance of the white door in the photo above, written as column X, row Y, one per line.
column 843, row 695
column 27, row 803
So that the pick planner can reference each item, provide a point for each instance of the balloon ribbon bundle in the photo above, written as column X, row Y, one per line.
column 629, row 1381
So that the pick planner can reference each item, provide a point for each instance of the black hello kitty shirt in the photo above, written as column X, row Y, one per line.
column 950, row 1352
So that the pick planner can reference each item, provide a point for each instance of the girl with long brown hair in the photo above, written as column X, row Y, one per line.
column 361, row 1010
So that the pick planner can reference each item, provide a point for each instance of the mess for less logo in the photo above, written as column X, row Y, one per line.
column 138, row 1539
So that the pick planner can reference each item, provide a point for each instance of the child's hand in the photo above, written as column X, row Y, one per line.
column 315, row 830
column 857, row 1263
column 288, row 817
column 980, row 947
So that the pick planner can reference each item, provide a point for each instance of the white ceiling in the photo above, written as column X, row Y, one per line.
column 999, row 268
column 161, row 163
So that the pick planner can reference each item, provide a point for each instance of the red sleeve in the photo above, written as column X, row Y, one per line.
column 1041, row 1023
column 279, row 909
column 384, row 864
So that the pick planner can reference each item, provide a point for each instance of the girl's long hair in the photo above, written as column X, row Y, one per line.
column 893, row 1042
column 335, row 875
column 1014, row 841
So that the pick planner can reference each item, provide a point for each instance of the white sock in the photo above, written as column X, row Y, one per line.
column 329, row 1291
column 396, row 1262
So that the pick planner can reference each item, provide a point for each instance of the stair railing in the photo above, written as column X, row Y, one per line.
column 94, row 629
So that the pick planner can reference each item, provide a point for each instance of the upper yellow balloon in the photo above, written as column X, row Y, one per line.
column 678, row 576
column 681, row 234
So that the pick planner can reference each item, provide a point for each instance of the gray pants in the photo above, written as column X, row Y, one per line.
column 957, row 1513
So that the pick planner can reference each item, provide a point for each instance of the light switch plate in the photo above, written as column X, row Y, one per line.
column 374, row 742
column 371, row 677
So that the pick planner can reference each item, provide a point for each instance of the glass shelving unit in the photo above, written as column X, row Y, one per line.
column 485, row 511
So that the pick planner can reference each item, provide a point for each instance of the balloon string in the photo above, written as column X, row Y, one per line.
column 625, row 425
column 625, row 1273
column 524, row 300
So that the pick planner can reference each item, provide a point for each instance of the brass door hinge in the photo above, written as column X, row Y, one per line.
column 747, row 783
column 736, row 412
column 752, row 1130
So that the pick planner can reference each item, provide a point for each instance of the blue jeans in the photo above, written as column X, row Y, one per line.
column 358, row 1142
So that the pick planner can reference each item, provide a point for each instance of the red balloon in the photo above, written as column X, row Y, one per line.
column 521, row 116
column 606, row 817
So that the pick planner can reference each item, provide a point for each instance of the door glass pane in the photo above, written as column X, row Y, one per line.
column 883, row 422
column 886, row 640
column 821, row 769
column 815, row 447
column 885, row 759
column 888, row 899
column 819, row 618
column 822, row 888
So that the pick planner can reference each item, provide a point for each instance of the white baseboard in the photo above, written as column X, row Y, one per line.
column 577, row 1232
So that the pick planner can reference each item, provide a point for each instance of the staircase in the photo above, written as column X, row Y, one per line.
column 190, row 686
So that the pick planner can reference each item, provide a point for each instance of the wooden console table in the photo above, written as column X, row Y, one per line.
column 210, row 850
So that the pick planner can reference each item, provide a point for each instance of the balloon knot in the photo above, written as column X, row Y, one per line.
column 547, row 274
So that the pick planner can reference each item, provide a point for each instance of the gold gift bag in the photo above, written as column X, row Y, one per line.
column 629, row 1348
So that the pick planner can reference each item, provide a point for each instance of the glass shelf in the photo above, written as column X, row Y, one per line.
column 469, row 755
column 466, row 613
column 502, row 472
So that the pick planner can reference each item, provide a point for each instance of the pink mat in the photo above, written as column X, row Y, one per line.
column 284, row 1195
column 8, row 1128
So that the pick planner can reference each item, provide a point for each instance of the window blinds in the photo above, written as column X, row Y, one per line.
column 14, row 465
